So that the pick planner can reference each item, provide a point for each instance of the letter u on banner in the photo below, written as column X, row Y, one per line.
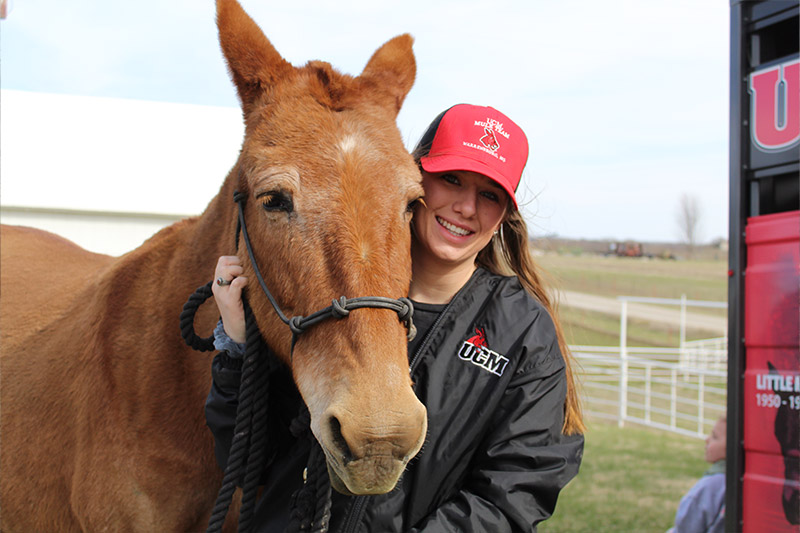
column 775, row 106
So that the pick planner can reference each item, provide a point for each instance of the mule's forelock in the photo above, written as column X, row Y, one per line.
column 386, row 79
column 329, row 87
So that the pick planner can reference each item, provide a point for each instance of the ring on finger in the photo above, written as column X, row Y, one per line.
column 222, row 281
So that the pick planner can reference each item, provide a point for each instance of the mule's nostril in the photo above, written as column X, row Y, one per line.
column 339, row 441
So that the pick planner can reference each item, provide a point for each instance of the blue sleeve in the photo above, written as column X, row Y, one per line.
column 702, row 508
column 223, row 343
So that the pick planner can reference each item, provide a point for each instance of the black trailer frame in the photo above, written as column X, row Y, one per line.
column 761, row 32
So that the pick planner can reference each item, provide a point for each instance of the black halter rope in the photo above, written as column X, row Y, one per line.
column 311, row 504
column 338, row 309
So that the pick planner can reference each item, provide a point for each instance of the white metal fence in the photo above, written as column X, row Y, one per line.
column 652, row 387
column 708, row 354
column 682, row 389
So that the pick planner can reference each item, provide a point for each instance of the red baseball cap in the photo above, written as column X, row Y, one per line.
column 479, row 139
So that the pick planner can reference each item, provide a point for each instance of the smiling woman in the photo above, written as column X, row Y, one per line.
column 461, row 214
column 466, row 155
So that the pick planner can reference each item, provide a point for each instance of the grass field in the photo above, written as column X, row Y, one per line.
column 598, row 329
column 615, row 276
column 631, row 480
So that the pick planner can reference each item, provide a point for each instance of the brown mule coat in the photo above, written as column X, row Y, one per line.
column 102, row 420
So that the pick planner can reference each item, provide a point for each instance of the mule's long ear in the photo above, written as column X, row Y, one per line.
column 392, row 69
column 253, row 62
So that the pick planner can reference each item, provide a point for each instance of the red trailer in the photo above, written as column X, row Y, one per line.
column 763, row 468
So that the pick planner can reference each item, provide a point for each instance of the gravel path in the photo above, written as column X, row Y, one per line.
column 654, row 313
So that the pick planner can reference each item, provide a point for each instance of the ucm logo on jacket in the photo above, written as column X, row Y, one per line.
column 476, row 351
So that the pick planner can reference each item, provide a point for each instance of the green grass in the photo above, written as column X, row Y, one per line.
column 606, row 401
column 616, row 276
column 631, row 480
column 655, row 278
column 599, row 329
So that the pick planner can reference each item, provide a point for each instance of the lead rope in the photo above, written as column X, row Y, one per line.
column 249, row 436
column 258, row 388
column 311, row 504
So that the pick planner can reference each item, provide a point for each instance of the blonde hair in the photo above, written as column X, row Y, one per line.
column 509, row 254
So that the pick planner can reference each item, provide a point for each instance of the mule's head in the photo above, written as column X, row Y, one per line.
column 329, row 186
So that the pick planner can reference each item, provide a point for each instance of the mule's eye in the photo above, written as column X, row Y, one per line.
column 412, row 204
column 276, row 201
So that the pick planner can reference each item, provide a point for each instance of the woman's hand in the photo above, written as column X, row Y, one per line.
column 229, row 297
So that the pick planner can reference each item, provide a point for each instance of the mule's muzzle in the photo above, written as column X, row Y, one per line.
column 376, row 474
column 371, row 459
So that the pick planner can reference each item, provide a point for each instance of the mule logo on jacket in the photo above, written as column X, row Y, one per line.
column 476, row 351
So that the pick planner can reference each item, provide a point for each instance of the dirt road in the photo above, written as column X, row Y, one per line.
column 654, row 313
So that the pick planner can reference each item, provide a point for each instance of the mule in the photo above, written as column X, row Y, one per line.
column 102, row 402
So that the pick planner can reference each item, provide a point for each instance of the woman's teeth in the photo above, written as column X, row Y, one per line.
column 455, row 230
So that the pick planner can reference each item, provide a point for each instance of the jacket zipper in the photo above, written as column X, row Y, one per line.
column 354, row 516
column 424, row 345
column 425, row 342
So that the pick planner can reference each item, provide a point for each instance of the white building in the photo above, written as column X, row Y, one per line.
column 107, row 173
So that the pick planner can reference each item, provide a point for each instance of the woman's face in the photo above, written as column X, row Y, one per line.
column 461, row 212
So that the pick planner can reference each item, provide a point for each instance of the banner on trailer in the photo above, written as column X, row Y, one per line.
column 771, row 486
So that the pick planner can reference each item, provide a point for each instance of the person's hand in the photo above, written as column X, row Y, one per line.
column 229, row 296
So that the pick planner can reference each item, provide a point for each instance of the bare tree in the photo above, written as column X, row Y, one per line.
column 688, row 218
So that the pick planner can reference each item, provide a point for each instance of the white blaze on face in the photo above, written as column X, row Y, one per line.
column 349, row 144
column 355, row 155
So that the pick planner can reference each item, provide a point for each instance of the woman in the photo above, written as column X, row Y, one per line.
column 489, row 360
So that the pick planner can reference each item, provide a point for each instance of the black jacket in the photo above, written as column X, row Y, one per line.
column 492, row 378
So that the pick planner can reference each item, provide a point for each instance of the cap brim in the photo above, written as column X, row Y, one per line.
column 445, row 162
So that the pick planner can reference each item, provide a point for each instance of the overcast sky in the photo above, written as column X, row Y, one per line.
column 625, row 103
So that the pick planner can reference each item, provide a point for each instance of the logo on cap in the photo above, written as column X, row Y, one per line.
column 490, row 140
column 489, row 143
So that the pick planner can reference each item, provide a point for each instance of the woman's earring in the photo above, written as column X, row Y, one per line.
column 499, row 230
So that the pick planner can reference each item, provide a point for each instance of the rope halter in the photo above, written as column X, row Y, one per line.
column 338, row 309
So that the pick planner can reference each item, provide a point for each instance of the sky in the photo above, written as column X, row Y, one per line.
column 625, row 103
